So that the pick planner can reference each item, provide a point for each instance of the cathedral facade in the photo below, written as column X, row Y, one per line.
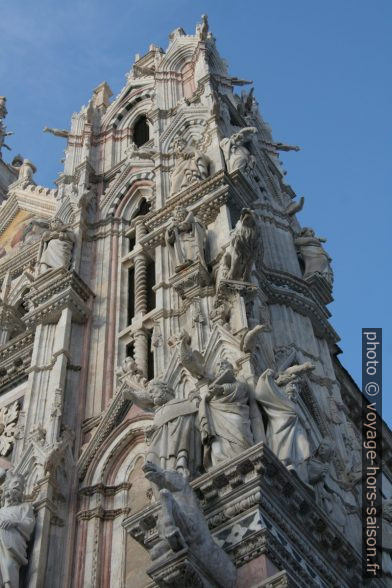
column 173, row 411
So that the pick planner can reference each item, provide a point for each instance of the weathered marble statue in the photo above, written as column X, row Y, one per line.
column 174, row 438
column 4, row 133
column 237, row 155
column 57, row 244
column 245, row 240
column 330, row 494
column 26, row 170
column 315, row 258
column 286, row 433
column 191, row 166
column 190, row 358
column 186, row 239
column 16, row 526
column 181, row 525
column 224, row 417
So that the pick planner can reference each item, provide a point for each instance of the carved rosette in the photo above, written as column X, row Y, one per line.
column 8, row 418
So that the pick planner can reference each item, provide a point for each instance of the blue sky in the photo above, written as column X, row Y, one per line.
column 321, row 72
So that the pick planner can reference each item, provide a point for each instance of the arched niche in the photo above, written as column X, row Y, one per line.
column 131, row 204
column 116, row 482
column 188, row 79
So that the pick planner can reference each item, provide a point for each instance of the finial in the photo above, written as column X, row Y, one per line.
column 203, row 28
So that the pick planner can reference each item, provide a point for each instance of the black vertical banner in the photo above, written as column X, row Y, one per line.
column 371, row 453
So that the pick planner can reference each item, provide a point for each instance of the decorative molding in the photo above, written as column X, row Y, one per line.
column 280, row 518
column 54, row 291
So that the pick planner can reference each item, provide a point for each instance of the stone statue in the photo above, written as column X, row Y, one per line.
column 181, row 525
column 295, row 207
column 224, row 417
column 3, row 128
column 131, row 374
column 243, row 249
column 191, row 166
column 57, row 245
column 237, row 155
column 174, row 439
column 16, row 526
column 26, row 170
column 315, row 258
column 203, row 28
column 4, row 133
column 247, row 104
column 330, row 494
column 190, row 358
column 3, row 108
column 286, row 433
column 186, row 239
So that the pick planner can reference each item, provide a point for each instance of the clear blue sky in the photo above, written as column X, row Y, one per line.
column 322, row 75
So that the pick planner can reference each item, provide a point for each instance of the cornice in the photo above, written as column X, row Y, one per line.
column 255, row 485
column 36, row 199
column 54, row 291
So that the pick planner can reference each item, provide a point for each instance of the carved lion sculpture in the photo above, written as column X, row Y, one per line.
column 182, row 525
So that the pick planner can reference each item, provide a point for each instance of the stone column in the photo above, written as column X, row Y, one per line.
column 140, row 272
column 140, row 336
column 141, row 350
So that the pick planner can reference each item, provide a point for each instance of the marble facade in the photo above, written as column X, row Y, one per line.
column 170, row 388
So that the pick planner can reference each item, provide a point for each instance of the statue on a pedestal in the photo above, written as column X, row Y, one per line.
column 314, row 256
column 224, row 418
column 237, row 156
column 26, row 170
column 186, row 239
column 243, row 249
column 57, row 244
column 191, row 166
column 174, row 438
column 286, row 429
column 16, row 526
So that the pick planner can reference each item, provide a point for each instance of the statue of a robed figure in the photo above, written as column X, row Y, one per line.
column 186, row 239
column 16, row 526
column 174, row 439
column 224, row 417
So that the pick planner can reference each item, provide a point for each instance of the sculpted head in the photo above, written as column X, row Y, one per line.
column 292, row 388
column 248, row 217
column 325, row 450
column 237, row 139
column 55, row 224
column 224, row 365
column 180, row 214
column 160, row 391
column 307, row 232
column 13, row 488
